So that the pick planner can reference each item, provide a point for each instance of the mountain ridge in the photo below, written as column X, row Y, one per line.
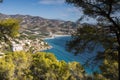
column 42, row 26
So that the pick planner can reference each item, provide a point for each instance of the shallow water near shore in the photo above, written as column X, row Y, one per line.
column 59, row 44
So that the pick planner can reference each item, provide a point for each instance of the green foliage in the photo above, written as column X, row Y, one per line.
column 38, row 66
column 15, row 66
column 46, row 66
column 102, row 10
column 97, row 8
column 109, row 68
column 6, row 69
column 86, row 38
column 110, row 65
column 77, row 70
column 106, row 34
column 9, row 28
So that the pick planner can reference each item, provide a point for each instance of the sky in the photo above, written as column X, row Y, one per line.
column 50, row 9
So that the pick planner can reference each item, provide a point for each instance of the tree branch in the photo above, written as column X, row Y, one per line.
column 110, row 9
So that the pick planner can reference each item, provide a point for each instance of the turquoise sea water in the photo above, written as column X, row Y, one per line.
column 60, row 52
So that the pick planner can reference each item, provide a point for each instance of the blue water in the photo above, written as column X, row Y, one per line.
column 60, row 52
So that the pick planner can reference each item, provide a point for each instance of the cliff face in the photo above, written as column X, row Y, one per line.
column 41, row 26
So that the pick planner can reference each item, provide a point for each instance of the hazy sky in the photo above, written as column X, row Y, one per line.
column 51, row 9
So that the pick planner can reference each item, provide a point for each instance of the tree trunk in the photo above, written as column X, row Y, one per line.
column 117, row 32
column 118, row 39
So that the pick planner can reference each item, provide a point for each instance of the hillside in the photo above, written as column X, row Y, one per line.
column 38, row 26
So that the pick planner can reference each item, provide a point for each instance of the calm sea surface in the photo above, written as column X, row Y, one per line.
column 58, row 44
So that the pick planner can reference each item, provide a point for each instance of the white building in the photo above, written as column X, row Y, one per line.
column 17, row 47
column 42, row 43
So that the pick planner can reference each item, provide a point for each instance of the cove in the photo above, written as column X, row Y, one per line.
column 59, row 50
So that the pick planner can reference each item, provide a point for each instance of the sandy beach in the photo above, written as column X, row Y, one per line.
column 54, row 36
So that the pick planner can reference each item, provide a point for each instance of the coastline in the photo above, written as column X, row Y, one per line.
column 47, row 48
column 55, row 36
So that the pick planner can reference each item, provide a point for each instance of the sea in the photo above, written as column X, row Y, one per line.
column 59, row 50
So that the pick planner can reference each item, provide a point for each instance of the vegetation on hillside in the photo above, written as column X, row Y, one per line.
column 38, row 66
column 9, row 28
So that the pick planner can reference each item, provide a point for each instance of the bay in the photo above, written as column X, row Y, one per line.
column 59, row 50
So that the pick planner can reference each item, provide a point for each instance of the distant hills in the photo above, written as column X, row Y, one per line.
column 33, row 25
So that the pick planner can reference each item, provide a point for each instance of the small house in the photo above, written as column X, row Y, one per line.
column 17, row 47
